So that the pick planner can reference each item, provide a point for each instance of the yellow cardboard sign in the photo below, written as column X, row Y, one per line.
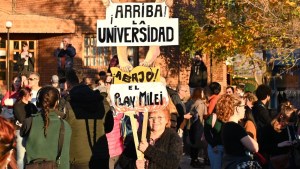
column 139, row 74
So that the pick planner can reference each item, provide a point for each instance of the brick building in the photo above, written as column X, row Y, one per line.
column 44, row 23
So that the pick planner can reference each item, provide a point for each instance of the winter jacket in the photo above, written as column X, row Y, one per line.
column 164, row 154
column 198, row 75
column 90, row 118
column 68, row 55
column 114, row 138
column 180, row 107
column 21, row 66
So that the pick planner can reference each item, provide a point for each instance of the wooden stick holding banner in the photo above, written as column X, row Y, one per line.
column 144, row 130
column 134, row 128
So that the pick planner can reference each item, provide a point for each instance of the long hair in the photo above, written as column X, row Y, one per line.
column 285, row 116
column 198, row 94
column 114, row 62
column 7, row 143
column 23, row 44
column 12, row 85
column 23, row 92
column 47, row 99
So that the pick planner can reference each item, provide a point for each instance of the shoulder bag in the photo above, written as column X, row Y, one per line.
column 43, row 163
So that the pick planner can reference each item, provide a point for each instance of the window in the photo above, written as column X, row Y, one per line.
column 96, row 56
column 2, row 59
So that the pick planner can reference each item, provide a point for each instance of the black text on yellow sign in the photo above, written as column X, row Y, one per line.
column 139, row 74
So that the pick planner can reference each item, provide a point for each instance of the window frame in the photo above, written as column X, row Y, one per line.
column 100, row 56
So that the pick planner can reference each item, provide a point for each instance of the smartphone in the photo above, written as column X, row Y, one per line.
column 61, row 46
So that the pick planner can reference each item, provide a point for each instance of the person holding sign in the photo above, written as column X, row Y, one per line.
column 161, row 149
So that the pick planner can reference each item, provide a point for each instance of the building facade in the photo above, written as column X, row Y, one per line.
column 44, row 23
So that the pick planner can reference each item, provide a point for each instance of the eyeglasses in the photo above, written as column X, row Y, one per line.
column 159, row 118
column 31, row 79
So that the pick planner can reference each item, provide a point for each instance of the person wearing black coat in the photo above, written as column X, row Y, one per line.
column 65, row 56
column 25, row 61
column 22, row 109
column 90, row 118
column 198, row 74
column 162, row 149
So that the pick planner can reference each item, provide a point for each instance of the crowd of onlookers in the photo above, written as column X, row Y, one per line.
column 72, row 123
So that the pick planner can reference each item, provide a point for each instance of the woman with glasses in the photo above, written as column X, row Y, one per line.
column 25, row 61
column 22, row 110
column 162, row 150
column 230, row 110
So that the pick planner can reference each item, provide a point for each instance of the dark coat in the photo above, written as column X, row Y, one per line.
column 180, row 107
column 164, row 154
column 198, row 75
column 88, row 139
column 262, row 118
column 23, row 110
column 21, row 66
column 68, row 54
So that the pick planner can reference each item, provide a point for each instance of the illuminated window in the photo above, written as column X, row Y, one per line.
column 96, row 56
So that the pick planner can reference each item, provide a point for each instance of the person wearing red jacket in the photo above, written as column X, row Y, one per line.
column 10, row 98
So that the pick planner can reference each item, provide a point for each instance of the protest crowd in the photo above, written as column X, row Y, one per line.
column 72, row 124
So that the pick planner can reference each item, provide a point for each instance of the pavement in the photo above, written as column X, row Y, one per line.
column 185, row 163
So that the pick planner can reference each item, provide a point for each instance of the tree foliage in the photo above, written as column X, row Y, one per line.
column 225, row 28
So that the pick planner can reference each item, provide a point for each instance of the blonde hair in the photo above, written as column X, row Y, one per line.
column 283, row 118
column 251, row 97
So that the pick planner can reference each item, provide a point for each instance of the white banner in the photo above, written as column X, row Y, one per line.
column 137, row 24
column 139, row 97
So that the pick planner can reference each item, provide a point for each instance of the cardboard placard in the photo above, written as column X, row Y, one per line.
column 139, row 74
column 137, row 24
column 138, row 91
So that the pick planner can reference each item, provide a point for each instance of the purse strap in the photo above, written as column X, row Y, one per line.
column 60, row 140
column 289, row 133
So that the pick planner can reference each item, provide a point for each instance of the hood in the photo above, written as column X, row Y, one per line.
column 86, row 103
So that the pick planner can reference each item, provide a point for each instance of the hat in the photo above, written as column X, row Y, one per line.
column 54, row 79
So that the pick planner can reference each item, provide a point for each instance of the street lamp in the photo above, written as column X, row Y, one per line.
column 8, row 25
